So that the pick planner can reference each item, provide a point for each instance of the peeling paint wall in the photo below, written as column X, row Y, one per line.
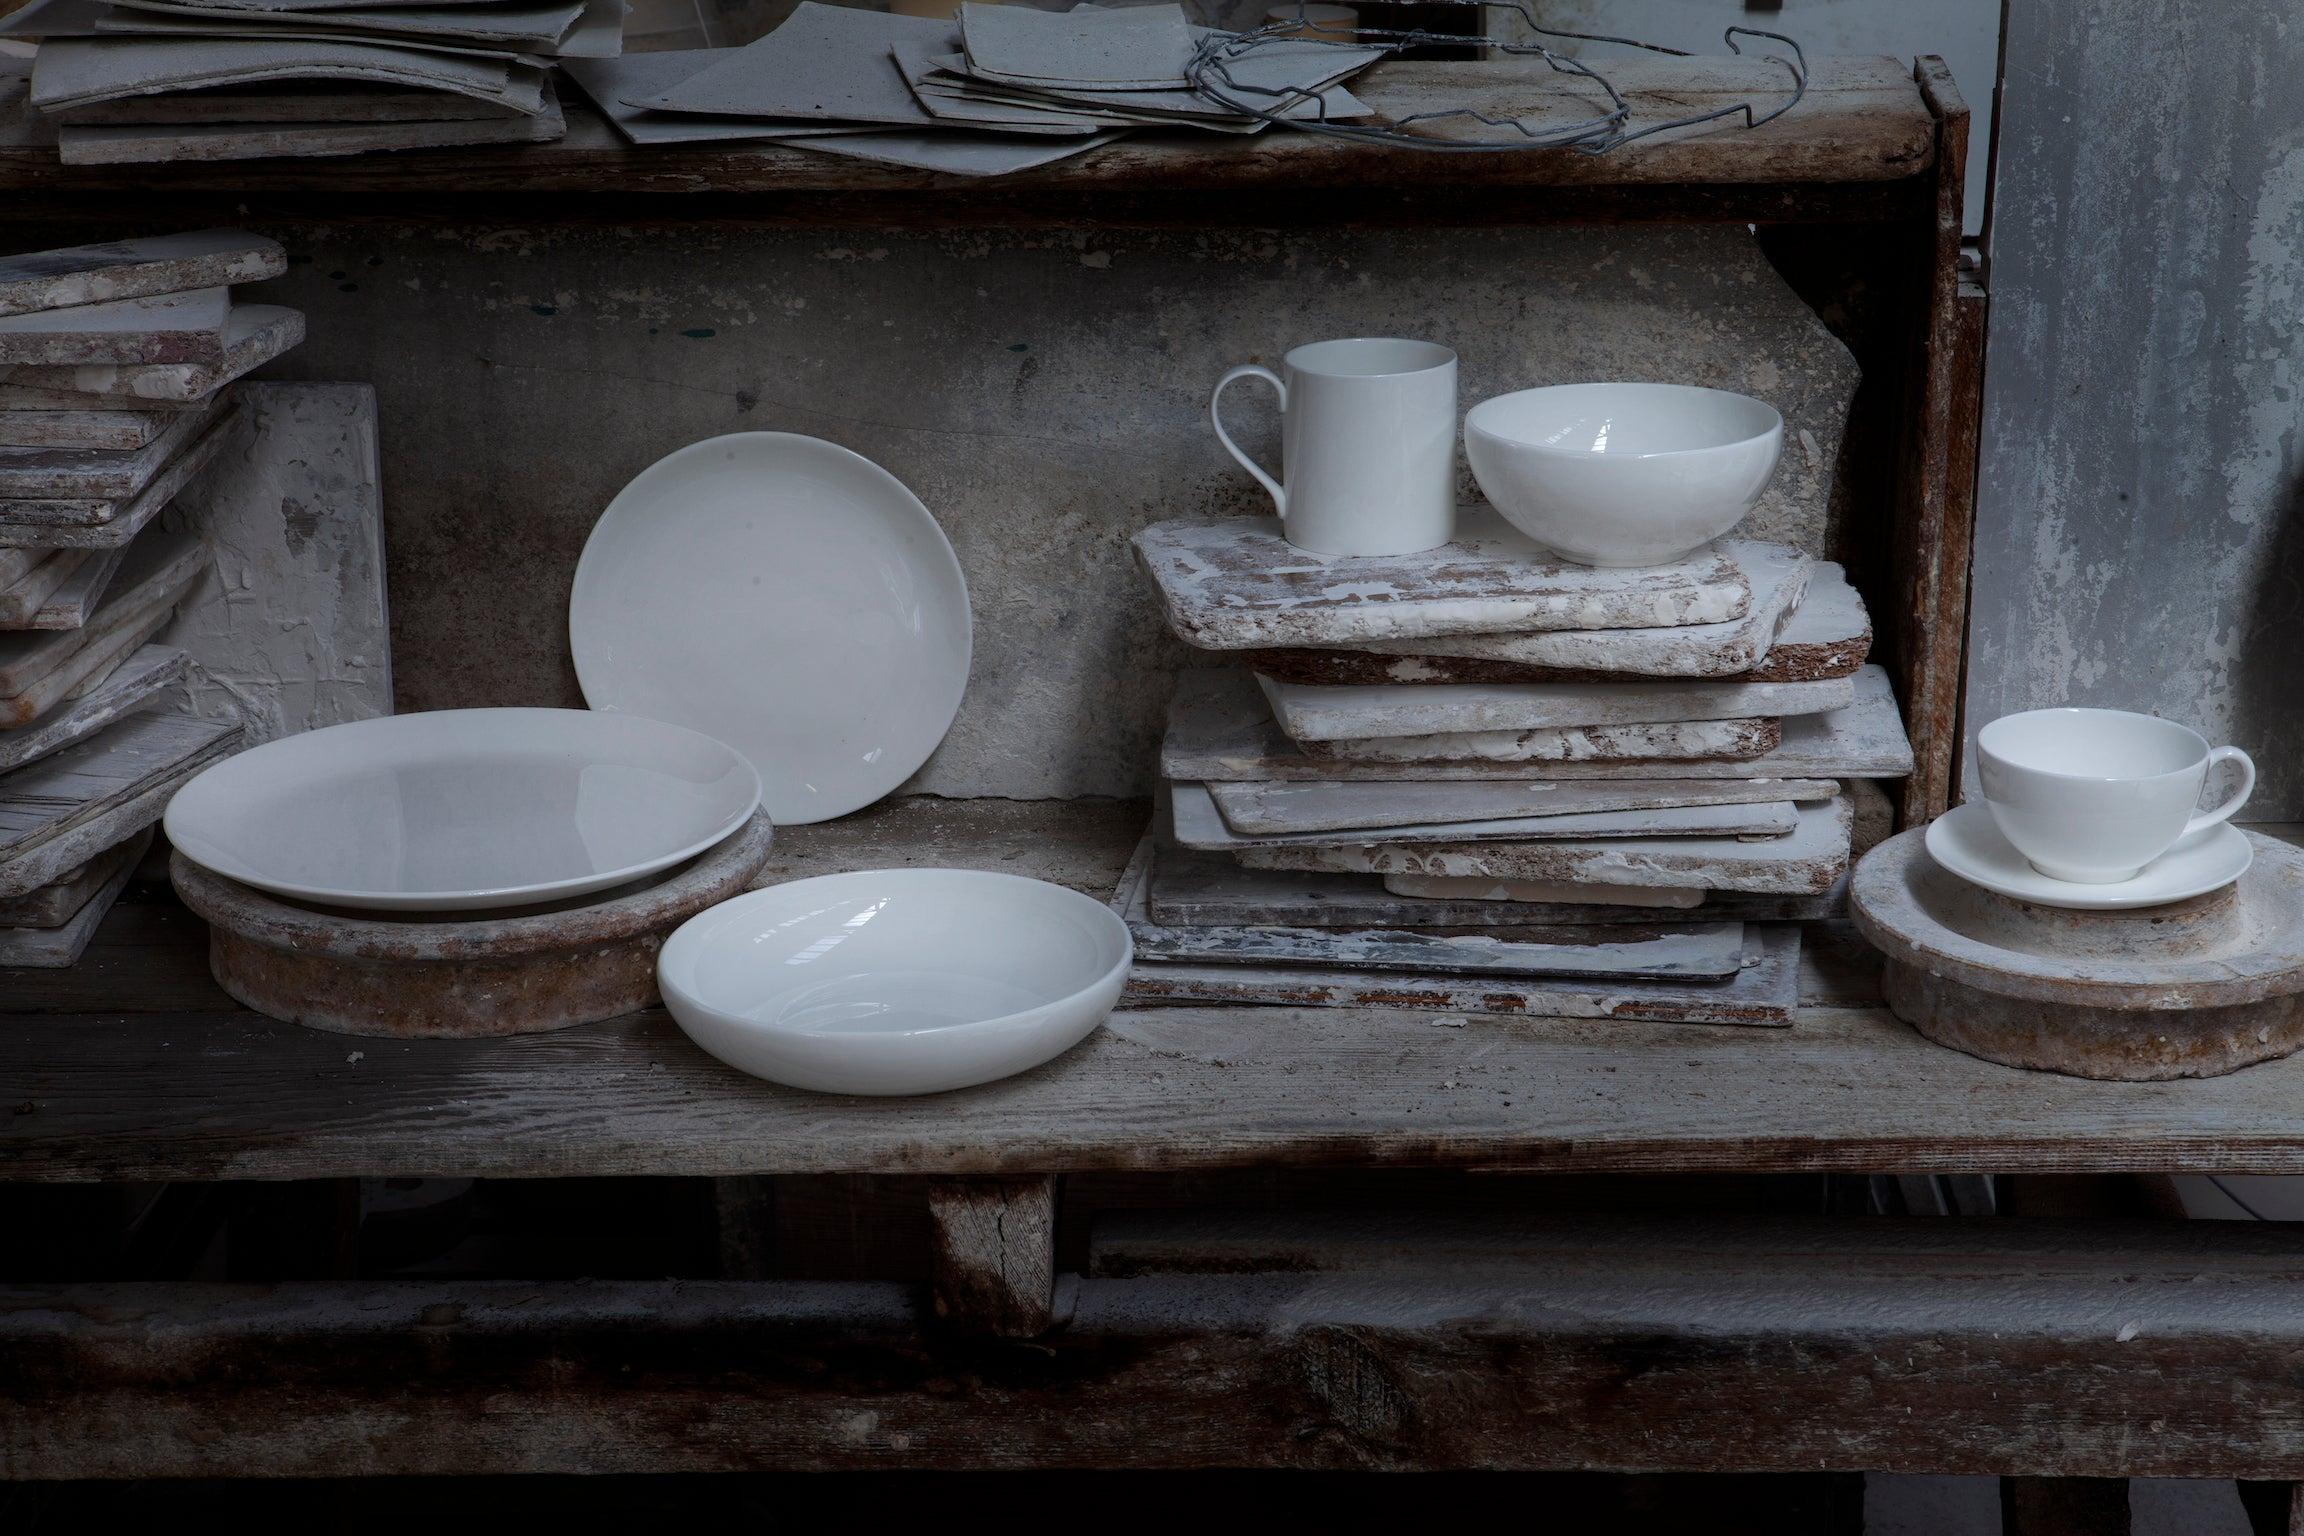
column 1043, row 392
column 2140, row 538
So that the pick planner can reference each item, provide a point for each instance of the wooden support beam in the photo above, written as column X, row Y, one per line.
column 1998, row 1347
column 994, row 1246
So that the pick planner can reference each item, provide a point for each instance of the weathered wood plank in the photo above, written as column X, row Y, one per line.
column 133, row 269
column 65, row 809
column 68, row 525
column 59, row 946
column 1639, row 1346
column 1281, row 808
column 54, row 904
column 1343, row 713
column 1863, row 122
column 253, row 336
column 40, row 667
column 1198, row 824
column 993, row 1245
column 51, row 474
column 172, row 328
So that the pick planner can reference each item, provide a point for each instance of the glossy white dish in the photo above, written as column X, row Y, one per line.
column 1966, row 841
column 895, row 981
column 1623, row 474
column 463, row 809
column 788, row 597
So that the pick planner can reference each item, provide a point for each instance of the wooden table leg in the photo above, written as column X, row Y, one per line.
column 2064, row 1506
column 2274, row 1509
column 994, row 1250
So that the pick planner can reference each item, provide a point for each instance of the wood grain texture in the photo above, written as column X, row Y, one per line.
column 61, row 945
column 1220, row 730
column 60, row 474
column 2145, row 1349
column 112, row 430
column 1829, row 635
column 1808, row 861
column 22, row 599
column 54, row 904
column 1231, row 584
column 1190, row 889
column 993, row 1247
column 253, row 336
column 74, row 601
column 38, row 668
column 133, row 269
column 1282, row 808
column 100, row 525
column 1862, row 122
column 62, row 810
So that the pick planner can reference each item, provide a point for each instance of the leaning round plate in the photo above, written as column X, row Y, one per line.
column 895, row 981
column 1968, row 842
column 787, row 596
column 463, row 809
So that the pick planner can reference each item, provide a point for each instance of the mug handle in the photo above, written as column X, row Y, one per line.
column 2247, row 788
column 1247, row 371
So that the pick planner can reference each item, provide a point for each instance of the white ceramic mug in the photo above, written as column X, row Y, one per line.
column 1367, row 445
column 2094, row 795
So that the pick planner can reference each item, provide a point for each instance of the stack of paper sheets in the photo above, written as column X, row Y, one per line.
column 146, row 80
column 1003, row 89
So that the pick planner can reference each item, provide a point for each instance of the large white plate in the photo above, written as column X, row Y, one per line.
column 787, row 596
column 463, row 809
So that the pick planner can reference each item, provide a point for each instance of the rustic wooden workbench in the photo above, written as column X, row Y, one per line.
column 2000, row 1346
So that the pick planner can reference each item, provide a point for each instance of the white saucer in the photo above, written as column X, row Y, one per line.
column 788, row 597
column 1967, row 842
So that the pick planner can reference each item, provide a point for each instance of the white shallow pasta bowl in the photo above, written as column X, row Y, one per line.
column 463, row 809
column 1623, row 474
column 895, row 981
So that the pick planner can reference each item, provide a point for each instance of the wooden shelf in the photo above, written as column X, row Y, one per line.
column 1864, row 127
column 134, row 1067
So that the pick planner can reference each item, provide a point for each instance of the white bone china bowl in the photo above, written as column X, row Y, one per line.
column 1623, row 474
column 462, row 809
column 895, row 981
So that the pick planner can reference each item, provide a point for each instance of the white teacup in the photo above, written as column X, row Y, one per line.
column 2094, row 795
column 1367, row 445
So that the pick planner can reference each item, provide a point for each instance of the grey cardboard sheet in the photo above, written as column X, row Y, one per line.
column 69, row 71
column 1219, row 729
column 613, row 83
column 1199, row 824
column 1281, row 809
column 1213, row 888
column 63, row 945
column 127, row 145
column 1271, row 67
column 1238, row 584
column 1805, row 863
column 293, row 632
column 112, row 525
column 824, row 63
column 254, row 336
column 66, row 474
column 113, row 270
column 1142, row 47
column 352, row 102
column 165, row 328
column 143, row 673
column 1318, row 713
column 953, row 152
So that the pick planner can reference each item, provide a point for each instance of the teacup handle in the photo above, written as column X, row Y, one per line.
column 2247, row 788
column 1248, row 371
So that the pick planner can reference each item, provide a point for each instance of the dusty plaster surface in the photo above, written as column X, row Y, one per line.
column 2140, row 538
column 1043, row 392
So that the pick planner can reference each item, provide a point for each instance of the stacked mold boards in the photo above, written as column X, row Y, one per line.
column 128, row 81
column 1591, row 792
column 116, row 363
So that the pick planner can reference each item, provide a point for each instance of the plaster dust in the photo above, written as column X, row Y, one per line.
column 1044, row 392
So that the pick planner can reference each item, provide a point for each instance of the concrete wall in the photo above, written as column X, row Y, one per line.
column 1043, row 393
column 2139, row 539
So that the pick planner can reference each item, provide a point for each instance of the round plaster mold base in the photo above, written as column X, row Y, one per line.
column 2196, row 988
column 502, row 973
